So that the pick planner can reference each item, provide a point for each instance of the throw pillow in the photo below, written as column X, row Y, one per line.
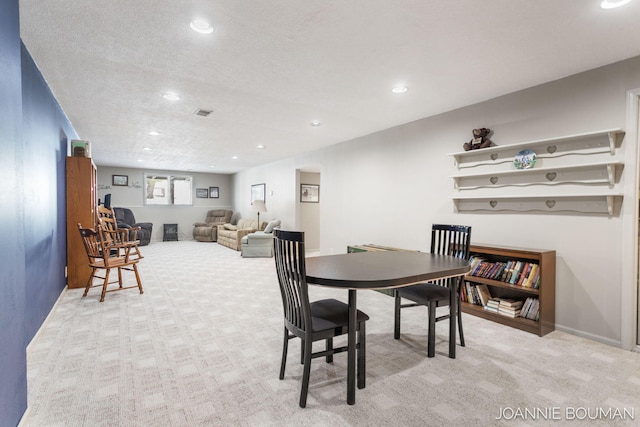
column 230, row 227
column 272, row 224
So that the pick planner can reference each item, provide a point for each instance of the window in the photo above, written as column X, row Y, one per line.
column 168, row 190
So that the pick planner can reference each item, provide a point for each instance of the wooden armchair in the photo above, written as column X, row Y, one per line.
column 106, row 250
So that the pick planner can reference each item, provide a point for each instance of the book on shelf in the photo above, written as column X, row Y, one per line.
column 512, row 303
column 507, row 307
column 531, row 309
column 483, row 293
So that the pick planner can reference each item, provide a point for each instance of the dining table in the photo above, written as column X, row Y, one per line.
column 382, row 270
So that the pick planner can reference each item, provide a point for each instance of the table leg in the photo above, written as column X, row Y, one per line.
column 351, row 352
column 453, row 316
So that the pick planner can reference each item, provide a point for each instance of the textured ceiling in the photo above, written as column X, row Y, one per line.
column 271, row 67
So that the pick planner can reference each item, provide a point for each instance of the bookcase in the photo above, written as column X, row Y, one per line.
column 81, row 208
column 545, row 292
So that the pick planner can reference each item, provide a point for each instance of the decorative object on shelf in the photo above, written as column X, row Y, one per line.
column 525, row 159
column 202, row 193
column 480, row 140
column 80, row 148
column 120, row 180
column 258, row 192
column 214, row 192
column 309, row 193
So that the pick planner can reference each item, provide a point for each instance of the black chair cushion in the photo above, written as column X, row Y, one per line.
column 425, row 293
column 329, row 314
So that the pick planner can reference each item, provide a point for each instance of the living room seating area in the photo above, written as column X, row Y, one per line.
column 230, row 235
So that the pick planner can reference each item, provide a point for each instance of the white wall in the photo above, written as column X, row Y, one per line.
column 132, row 197
column 389, row 187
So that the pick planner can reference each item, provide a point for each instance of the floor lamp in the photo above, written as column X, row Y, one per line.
column 259, row 206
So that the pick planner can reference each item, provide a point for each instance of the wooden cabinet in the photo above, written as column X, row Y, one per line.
column 546, row 261
column 81, row 208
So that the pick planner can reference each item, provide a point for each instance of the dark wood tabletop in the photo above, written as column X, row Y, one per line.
column 384, row 269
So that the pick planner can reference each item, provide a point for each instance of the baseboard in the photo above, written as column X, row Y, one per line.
column 24, row 418
column 592, row 337
column 55, row 305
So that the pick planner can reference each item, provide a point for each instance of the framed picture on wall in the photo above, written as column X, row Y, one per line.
column 258, row 192
column 309, row 193
column 201, row 193
column 214, row 192
column 121, row 180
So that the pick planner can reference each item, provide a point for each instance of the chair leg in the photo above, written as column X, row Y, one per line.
column 302, row 352
column 460, row 326
column 104, row 285
column 460, row 332
column 306, row 373
column 396, row 315
column 362, row 355
column 329, row 347
column 285, row 347
column 120, row 277
column 89, row 282
column 135, row 270
column 431, row 333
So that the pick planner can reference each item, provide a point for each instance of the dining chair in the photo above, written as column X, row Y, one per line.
column 118, row 235
column 105, row 254
column 311, row 321
column 445, row 240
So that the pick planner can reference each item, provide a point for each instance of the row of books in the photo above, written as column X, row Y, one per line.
column 479, row 294
column 514, row 272
column 504, row 307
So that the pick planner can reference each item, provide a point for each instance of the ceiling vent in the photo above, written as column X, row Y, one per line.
column 203, row 113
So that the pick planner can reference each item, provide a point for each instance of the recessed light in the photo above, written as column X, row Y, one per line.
column 234, row 157
column 171, row 96
column 147, row 148
column 140, row 160
column 399, row 89
column 212, row 166
column 260, row 146
column 153, row 133
column 612, row 4
column 201, row 26
column 315, row 123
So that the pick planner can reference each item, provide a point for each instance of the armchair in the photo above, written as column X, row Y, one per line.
column 208, row 231
column 126, row 219
column 260, row 243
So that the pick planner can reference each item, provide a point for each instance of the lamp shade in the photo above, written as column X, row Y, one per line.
column 259, row 206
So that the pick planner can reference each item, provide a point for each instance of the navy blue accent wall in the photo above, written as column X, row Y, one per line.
column 46, row 133
column 13, row 360
column 34, row 134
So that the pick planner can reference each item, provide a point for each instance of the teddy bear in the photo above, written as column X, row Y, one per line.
column 479, row 140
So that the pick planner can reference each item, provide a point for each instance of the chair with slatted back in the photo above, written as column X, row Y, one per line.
column 120, row 236
column 445, row 240
column 105, row 254
column 315, row 321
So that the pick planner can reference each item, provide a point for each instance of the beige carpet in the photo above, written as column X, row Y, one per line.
column 202, row 347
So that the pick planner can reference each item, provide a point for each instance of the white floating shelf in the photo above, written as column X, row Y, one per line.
column 605, row 141
column 585, row 174
column 585, row 203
